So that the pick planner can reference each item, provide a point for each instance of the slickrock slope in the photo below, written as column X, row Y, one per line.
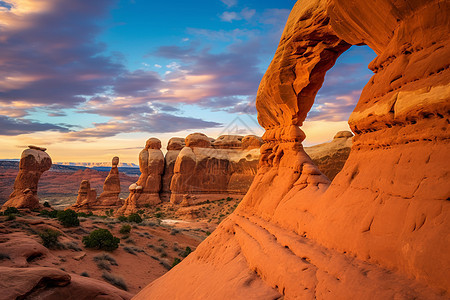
column 33, row 162
column 331, row 157
column 381, row 229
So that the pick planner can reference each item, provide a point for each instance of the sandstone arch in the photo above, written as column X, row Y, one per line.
column 381, row 229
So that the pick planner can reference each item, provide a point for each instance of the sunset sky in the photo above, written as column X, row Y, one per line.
column 91, row 79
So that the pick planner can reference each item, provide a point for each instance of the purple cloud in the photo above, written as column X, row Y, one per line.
column 11, row 126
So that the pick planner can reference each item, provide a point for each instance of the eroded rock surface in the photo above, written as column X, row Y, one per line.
column 381, row 229
column 111, row 187
column 174, row 147
column 33, row 162
column 87, row 196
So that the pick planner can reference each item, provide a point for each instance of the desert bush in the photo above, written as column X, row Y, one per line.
column 125, row 229
column 122, row 219
column 50, row 239
column 176, row 261
column 115, row 280
column 174, row 231
column 10, row 211
column 46, row 204
column 141, row 211
column 135, row 218
column 106, row 257
column 101, row 239
column 68, row 218
column 72, row 246
column 49, row 213
column 186, row 252
column 11, row 217
column 159, row 215
column 85, row 215
column 129, row 250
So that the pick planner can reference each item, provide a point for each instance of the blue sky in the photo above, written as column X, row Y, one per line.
column 86, row 78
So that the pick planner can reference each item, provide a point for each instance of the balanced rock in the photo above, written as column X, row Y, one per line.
column 33, row 162
column 381, row 228
column 111, row 187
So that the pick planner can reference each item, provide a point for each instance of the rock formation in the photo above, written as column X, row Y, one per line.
column 173, row 149
column 381, row 229
column 111, row 187
column 87, row 197
column 146, row 190
column 331, row 157
column 33, row 162
column 211, row 169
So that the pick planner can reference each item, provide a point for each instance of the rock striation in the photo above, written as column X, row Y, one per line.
column 111, row 187
column 381, row 228
column 174, row 147
column 33, row 162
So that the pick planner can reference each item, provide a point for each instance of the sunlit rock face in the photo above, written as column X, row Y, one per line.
column 111, row 187
column 146, row 190
column 381, row 228
column 33, row 162
column 207, row 170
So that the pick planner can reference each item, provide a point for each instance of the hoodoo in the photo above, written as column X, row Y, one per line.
column 111, row 187
column 33, row 162
column 381, row 228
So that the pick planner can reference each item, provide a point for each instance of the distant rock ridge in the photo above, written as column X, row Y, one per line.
column 94, row 164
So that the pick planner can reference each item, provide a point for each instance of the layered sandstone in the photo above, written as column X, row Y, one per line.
column 331, row 157
column 210, row 170
column 381, row 229
column 33, row 162
column 145, row 191
column 111, row 187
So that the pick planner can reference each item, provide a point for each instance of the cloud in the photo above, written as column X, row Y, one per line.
column 151, row 123
column 50, row 54
column 10, row 126
column 229, row 3
column 245, row 14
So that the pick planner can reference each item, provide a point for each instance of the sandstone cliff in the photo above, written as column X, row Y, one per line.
column 381, row 229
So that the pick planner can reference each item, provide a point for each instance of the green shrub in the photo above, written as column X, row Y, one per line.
column 50, row 239
column 141, row 211
column 101, row 239
column 46, row 204
column 85, row 215
column 68, row 218
column 135, row 218
column 186, row 252
column 176, row 261
column 122, row 219
column 49, row 213
column 11, row 210
column 125, row 229
column 159, row 215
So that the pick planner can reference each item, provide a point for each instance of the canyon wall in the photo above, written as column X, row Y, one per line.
column 381, row 228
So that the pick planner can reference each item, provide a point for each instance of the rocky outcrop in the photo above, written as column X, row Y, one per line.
column 87, row 197
column 145, row 191
column 111, row 187
column 173, row 149
column 381, row 229
column 208, row 170
column 50, row 283
column 33, row 162
column 331, row 157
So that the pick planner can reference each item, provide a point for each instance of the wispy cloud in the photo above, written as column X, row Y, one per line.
column 230, row 16
column 229, row 3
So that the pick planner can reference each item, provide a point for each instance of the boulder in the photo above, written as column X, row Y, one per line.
column 33, row 162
